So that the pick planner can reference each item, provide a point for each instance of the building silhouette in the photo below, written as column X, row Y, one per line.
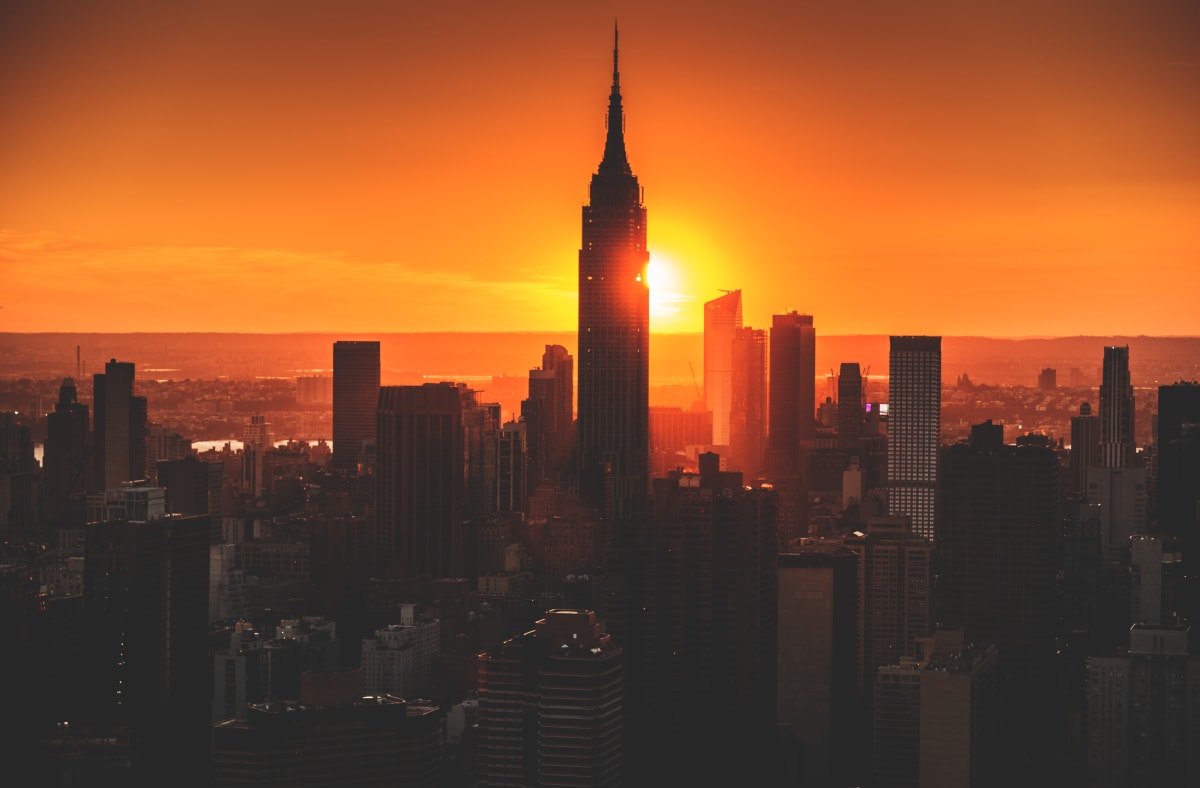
column 850, row 407
column 1085, row 447
column 355, row 392
column 548, row 416
column 793, row 388
column 1117, row 448
column 120, row 427
column 551, row 706
column 1143, row 712
column 748, row 401
column 1177, row 501
column 914, row 429
column 722, row 320
column 419, row 481
column 614, row 329
column 817, row 688
column 895, row 592
column 66, row 458
column 146, row 578
column 1000, row 545
column 332, row 734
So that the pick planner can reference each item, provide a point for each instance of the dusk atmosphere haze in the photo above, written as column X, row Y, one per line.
column 788, row 394
column 989, row 169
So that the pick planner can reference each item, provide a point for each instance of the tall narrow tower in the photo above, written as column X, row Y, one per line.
column 722, row 319
column 914, row 429
column 614, row 329
column 355, row 394
column 1117, row 449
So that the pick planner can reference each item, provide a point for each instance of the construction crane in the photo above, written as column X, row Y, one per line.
column 695, row 384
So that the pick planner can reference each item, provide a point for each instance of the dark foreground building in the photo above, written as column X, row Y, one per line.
column 551, row 706
column 331, row 736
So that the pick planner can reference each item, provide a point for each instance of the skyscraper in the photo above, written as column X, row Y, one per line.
column 850, row 407
column 120, row 427
column 66, row 457
column 748, row 401
column 914, row 427
column 793, row 387
column 1085, row 447
column 1116, row 410
column 146, row 619
column 722, row 319
column 355, row 393
column 551, row 705
column 548, row 417
column 614, row 329
column 419, row 480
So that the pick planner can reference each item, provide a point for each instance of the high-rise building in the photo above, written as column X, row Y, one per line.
column 120, row 427
column 1000, row 545
column 1085, row 447
column 1048, row 379
column 146, row 581
column 548, row 415
column 66, row 457
column 551, row 706
column 1117, row 448
column 748, row 401
column 817, row 687
column 419, row 481
column 355, row 393
column 1143, row 712
column 256, row 440
column 850, row 407
column 614, row 329
column 914, row 429
column 936, row 716
column 895, row 591
column 793, row 387
column 722, row 319
column 1177, row 502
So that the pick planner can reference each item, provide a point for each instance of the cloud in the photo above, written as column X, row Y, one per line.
column 60, row 283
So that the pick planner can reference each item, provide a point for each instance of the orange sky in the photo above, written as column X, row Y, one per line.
column 1006, row 168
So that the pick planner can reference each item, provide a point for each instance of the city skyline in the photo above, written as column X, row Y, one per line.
column 321, row 163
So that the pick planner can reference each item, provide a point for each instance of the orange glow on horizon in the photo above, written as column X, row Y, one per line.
column 379, row 167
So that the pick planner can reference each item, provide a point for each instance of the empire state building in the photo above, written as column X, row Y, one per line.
column 614, row 329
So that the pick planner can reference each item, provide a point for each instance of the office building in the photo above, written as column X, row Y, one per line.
column 817, row 687
column 1117, row 448
column 1085, row 447
column 119, row 433
column 722, row 319
column 748, row 401
column 419, row 481
column 850, row 413
column 549, row 417
column 355, row 392
column 1143, row 712
column 914, row 430
column 551, row 706
column 66, row 457
column 792, row 388
column 330, row 735
column 146, row 584
column 1177, row 503
column 614, row 330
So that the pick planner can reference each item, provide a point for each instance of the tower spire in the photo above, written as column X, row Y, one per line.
column 615, row 159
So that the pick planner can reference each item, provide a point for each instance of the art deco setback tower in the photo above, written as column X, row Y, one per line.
column 914, row 428
column 1116, row 410
column 722, row 319
column 355, row 393
column 614, row 329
